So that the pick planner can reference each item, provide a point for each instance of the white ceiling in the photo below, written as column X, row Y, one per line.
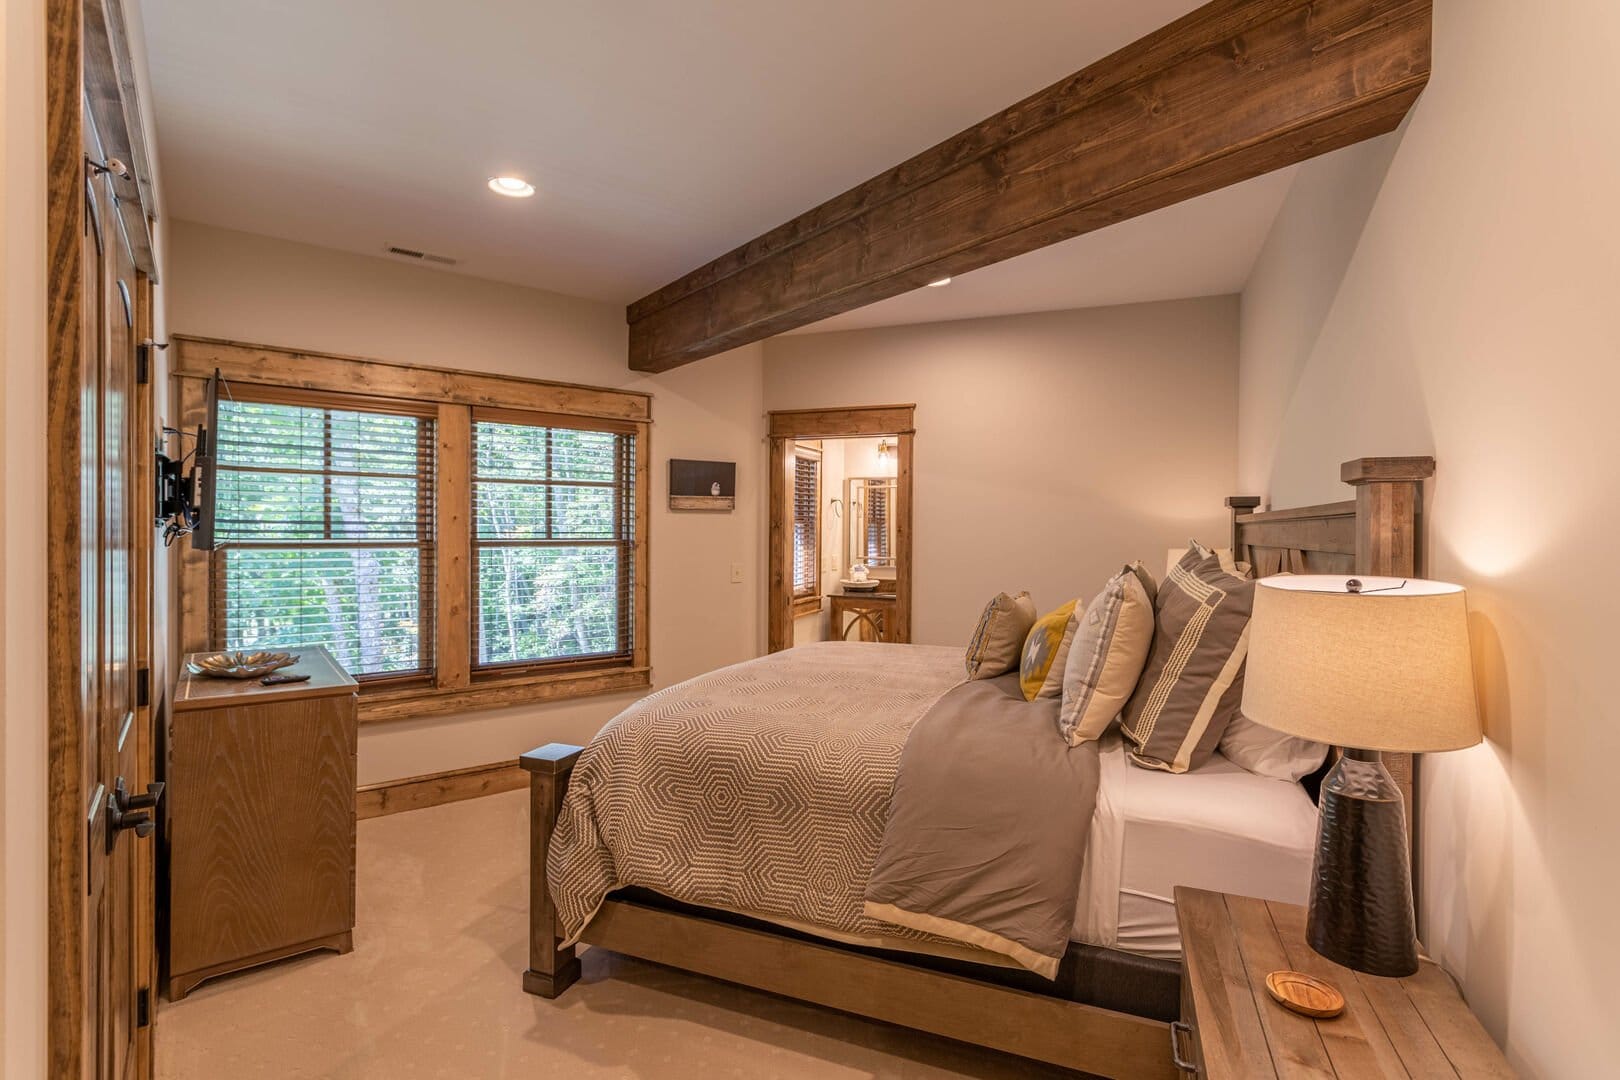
column 660, row 133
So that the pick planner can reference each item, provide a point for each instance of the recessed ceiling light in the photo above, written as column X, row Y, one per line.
column 514, row 187
column 939, row 282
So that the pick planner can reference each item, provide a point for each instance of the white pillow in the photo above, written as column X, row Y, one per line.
column 1236, row 569
column 1265, row 752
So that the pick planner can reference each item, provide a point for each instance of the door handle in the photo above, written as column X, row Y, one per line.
column 126, row 801
column 131, row 812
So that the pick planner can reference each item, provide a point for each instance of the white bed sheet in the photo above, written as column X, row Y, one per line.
column 1219, row 827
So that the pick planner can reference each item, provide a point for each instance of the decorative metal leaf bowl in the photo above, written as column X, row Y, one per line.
column 240, row 664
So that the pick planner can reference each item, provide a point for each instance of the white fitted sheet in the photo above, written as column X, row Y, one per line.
column 1219, row 827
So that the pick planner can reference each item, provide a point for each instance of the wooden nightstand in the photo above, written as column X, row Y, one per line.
column 1231, row 1027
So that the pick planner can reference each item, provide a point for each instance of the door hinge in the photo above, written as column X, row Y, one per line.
column 143, row 687
column 143, row 364
column 143, row 1007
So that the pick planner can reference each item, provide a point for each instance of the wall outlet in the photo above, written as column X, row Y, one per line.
column 736, row 573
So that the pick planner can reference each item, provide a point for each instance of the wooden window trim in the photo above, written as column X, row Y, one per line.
column 450, row 398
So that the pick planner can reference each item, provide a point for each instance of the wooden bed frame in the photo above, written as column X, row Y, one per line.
column 1377, row 532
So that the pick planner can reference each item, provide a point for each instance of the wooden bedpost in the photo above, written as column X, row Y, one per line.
column 1389, row 543
column 552, row 969
column 1239, row 505
column 1389, row 508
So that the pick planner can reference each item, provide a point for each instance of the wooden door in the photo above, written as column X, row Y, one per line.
column 107, row 553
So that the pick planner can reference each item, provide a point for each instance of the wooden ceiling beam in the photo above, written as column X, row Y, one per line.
column 1232, row 90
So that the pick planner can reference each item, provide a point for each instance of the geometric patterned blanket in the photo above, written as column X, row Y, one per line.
column 762, row 788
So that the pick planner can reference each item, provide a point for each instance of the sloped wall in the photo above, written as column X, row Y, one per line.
column 1452, row 291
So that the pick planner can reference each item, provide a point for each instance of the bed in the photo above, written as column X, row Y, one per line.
column 807, row 894
column 1219, row 827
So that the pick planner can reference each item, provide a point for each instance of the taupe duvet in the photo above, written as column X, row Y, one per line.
column 987, row 826
column 862, row 792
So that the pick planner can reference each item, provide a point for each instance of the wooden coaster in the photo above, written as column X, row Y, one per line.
column 1305, row 994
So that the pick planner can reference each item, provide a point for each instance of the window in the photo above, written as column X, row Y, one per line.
column 876, row 537
column 324, row 514
column 553, row 540
column 458, row 540
column 806, row 529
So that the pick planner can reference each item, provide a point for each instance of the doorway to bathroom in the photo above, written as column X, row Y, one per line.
column 840, row 565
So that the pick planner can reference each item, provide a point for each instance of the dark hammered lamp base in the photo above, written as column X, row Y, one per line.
column 1361, row 885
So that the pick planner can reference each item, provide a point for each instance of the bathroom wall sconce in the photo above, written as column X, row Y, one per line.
column 886, row 458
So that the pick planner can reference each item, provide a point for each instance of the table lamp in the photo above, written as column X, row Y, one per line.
column 1369, row 665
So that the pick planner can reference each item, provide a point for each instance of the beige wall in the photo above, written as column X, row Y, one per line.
column 252, row 288
column 1475, row 320
column 22, row 549
column 1050, row 448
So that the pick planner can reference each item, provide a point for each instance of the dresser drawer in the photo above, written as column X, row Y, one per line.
column 1184, row 1048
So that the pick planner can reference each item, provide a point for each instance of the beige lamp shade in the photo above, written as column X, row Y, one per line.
column 1388, row 668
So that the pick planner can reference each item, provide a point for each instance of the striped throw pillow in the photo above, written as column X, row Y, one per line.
column 1193, row 682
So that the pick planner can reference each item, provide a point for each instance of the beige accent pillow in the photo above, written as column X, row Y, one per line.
column 1109, row 651
column 1193, row 681
column 998, row 640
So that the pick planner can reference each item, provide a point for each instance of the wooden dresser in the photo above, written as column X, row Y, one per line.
column 259, row 820
column 1416, row 1028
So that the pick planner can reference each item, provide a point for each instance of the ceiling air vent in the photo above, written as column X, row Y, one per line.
column 420, row 256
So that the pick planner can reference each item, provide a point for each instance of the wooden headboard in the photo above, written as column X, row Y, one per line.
column 1379, row 532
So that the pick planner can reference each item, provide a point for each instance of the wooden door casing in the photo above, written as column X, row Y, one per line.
column 858, row 421
column 96, row 495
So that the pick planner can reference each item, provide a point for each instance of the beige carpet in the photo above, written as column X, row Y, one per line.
column 432, row 990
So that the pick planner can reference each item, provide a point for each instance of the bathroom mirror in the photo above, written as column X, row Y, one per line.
column 870, row 536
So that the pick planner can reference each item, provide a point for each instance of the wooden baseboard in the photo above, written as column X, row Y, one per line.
column 436, row 789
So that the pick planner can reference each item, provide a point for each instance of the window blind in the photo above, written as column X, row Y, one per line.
column 553, row 540
column 876, row 538
column 806, row 526
column 324, row 520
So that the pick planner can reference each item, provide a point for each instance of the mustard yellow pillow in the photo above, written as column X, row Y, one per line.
column 1040, row 672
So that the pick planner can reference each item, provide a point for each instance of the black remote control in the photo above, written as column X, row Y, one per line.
column 279, row 680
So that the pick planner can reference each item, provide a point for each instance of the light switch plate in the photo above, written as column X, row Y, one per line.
column 736, row 573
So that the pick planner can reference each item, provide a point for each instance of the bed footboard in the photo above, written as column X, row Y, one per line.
column 552, row 969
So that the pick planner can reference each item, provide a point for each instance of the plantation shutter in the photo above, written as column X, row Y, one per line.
column 323, row 517
column 554, row 539
column 806, row 526
column 877, row 526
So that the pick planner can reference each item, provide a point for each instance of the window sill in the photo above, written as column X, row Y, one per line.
column 806, row 605
column 520, row 690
